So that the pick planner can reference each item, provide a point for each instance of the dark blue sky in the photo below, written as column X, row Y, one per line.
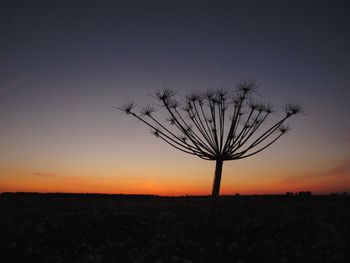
column 65, row 64
column 280, row 38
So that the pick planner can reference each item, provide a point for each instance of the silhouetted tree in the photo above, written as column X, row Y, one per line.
column 215, row 125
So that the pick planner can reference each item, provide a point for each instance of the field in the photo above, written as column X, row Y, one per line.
column 117, row 228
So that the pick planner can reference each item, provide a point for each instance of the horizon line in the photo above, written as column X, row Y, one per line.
column 295, row 194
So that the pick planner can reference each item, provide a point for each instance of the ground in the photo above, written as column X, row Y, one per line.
column 115, row 228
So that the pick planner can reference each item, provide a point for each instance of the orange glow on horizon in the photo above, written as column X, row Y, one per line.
column 171, row 184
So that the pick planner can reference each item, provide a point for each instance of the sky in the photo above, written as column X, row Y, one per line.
column 66, row 65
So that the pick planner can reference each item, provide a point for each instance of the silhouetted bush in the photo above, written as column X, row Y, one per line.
column 305, row 194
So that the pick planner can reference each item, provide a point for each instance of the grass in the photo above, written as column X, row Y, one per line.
column 118, row 228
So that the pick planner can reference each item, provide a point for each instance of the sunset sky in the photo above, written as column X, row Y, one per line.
column 65, row 65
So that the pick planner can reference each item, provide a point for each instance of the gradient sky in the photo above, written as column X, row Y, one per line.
column 66, row 64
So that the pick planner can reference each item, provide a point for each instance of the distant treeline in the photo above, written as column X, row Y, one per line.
column 149, row 196
column 87, row 195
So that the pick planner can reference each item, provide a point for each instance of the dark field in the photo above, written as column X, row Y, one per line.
column 103, row 228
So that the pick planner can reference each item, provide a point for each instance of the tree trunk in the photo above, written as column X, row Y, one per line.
column 217, row 178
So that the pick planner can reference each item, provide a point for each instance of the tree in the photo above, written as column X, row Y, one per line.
column 203, row 127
